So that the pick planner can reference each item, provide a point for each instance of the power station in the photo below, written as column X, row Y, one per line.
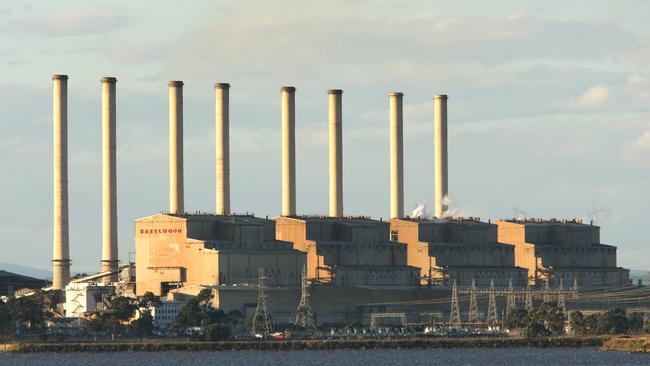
column 353, row 266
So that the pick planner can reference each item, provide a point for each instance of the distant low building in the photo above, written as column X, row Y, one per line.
column 82, row 298
column 11, row 282
column 165, row 313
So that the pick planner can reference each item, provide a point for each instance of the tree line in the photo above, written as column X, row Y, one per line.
column 550, row 320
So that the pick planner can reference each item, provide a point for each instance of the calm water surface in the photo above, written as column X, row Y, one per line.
column 459, row 356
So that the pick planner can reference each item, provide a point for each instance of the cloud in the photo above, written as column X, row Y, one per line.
column 592, row 97
column 637, row 151
column 73, row 23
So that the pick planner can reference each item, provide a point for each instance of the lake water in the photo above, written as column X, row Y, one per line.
column 410, row 357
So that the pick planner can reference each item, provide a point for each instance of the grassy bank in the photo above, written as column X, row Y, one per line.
column 157, row 346
column 639, row 344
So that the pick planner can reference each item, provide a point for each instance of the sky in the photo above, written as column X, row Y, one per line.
column 549, row 109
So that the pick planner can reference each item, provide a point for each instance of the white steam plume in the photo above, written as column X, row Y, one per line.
column 420, row 210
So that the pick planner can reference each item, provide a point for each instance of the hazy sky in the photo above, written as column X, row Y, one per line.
column 549, row 109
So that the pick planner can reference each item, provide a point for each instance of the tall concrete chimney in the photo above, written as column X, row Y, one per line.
column 109, row 179
column 223, row 147
column 440, row 146
column 176, row 200
column 336, row 152
column 288, row 151
column 61, row 247
column 396, row 156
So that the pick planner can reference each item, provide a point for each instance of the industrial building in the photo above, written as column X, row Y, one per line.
column 175, row 250
column 458, row 250
column 355, row 265
column 12, row 282
column 83, row 298
column 568, row 250
column 353, row 251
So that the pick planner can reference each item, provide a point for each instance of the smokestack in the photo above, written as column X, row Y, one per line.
column 288, row 151
column 176, row 200
column 223, row 148
column 61, row 247
column 396, row 156
column 109, row 179
column 336, row 152
column 440, row 145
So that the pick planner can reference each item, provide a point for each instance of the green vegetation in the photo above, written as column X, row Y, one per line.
column 612, row 321
column 199, row 313
column 28, row 314
column 549, row 320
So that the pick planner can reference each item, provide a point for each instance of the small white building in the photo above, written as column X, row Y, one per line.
column 81, row 298
column 165, row 314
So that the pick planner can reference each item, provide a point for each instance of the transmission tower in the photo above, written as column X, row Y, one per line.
column 511, row 304
column 492, row 305
column 474, row 317
column 561, row 303
column 546, row 297
column 454, row 313
column 304, row 316
column 261, row 320
column 529, row 299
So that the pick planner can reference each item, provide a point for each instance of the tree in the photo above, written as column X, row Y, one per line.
column 149, row 301
column 6, row 320
column 119, row 310
column 516, row 319
column 534, row 329
column 213, row 316
column 190, row 315
column 551, row 317
column 28, row 312
column 635, row 322
column 591, row 324
column 613, row 321
column 122, row 308
column 204, row 298
column 143, row 326
column 578, row 323
column 216, row 332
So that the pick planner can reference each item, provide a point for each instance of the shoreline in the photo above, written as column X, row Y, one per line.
column 632, row 344
column 305, row 344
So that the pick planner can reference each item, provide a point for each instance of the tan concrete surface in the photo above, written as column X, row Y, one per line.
column 396, row 156
column 222, row 121
column 109, row 178
column 288, row 94
column 336, row 152
column 440, row 156
column 61, row 251
column 176, row 197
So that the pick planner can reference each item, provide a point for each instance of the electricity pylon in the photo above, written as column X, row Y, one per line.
column 492, row 306
column 304, row 316
column 454, row 313
column 547, row 293
column 561, row 303
column 511, row 304
column 474, row 317
column 261, row 320
column 529, row 299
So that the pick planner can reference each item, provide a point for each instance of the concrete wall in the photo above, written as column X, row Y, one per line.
column 376, row 276
column 436, row 246
column 485, row 275
column 591, row 277
column 543, row 246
